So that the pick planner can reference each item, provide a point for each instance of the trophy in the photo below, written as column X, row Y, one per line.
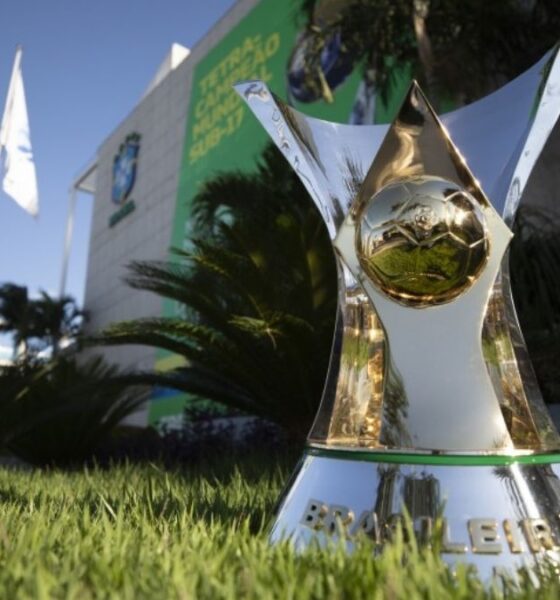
column 430, row 408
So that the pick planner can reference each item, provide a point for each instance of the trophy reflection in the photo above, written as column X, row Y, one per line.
column 429, row 386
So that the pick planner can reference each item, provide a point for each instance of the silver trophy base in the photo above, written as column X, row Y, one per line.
column 498, row 513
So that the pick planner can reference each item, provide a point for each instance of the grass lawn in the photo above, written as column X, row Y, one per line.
column 145, row 532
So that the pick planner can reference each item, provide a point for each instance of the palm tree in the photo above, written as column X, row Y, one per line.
column 37, row 323
column 17, row 317
column 258, row 288
column 57, row 319
column 458, row 50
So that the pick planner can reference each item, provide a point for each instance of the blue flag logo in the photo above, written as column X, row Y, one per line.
column 124, row 168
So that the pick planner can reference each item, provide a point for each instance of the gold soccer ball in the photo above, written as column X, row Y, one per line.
column 422, row 241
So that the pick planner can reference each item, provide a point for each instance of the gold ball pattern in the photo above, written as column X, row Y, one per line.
column 422, row 241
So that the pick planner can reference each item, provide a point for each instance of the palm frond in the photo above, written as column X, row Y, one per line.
column 257, row 286
column 58, row 412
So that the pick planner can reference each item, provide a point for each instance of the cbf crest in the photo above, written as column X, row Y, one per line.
column 124, row 168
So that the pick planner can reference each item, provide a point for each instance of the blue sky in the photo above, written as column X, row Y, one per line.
column 85, row 65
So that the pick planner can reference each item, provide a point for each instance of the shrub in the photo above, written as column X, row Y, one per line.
column 57, row 413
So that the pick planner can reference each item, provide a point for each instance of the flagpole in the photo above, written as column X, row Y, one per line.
column 10, row 97
column 68, row 238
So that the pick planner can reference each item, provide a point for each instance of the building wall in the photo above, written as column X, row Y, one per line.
column 145, row 234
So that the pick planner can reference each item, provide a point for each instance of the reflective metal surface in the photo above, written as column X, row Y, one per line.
column 422, row 241
column 369, row 400
column 494, row 516
column 436, row 351
column 430, row 403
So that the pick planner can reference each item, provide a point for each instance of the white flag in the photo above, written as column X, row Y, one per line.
column 19, row 181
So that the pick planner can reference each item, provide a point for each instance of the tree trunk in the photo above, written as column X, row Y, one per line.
column 421, row 8
column 55, row 345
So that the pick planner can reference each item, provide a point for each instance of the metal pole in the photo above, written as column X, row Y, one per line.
column 68, row 239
